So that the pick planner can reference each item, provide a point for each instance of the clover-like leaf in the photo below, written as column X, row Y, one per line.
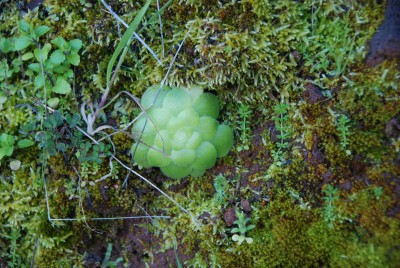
column 6, row 45
column 22, row 42
column 41, row 30
column 57, row 57
column 44, row 52
column 39, row 81
column 4, row 70
column 6, row 139
column 59, row 42
column 61, row 69
column 25, row 143
column 16, row 64
column 75, row 44
column 238, row 238
column 15, row 164
column 24, row 26
column 61, row 86
column 61, row 146
column 249, row 240
column 74, row 59
column 5, row 152
column 34, row 67
column 68, row 74
column 53, row 102
column 27, row 56
column 6, row 145
column 3, row 99
column 73, row 120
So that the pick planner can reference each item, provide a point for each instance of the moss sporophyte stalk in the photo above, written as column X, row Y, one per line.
column 179, row 131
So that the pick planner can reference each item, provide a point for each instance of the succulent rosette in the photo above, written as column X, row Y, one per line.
column 179, row 133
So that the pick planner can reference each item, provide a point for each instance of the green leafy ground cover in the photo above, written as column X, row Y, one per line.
column 313, row 176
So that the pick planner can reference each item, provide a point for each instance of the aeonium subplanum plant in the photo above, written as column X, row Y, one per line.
column 179, row 132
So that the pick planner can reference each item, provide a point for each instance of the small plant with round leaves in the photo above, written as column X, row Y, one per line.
column 240, row 231
column 221, row 190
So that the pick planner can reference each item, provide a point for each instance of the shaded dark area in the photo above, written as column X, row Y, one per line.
column 385, row 44
column 33, row 4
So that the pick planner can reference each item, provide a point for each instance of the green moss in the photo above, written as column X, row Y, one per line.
column 284, row 236
column 252, row 52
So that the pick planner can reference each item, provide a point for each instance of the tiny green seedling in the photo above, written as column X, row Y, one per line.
column 281, row 117
column 240, row 231
column 244, row 127
column 6, row 145
column 331, row 195
column 15, row 259
column 343, row 126
column 221, row 188
column 378, row 192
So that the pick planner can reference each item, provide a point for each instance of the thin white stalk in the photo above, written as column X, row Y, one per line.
column 145, row 212
column 80, row 198
column 44, row 81
column 113, row 218
column 109, row 162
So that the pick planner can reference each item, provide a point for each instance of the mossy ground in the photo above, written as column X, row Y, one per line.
column 309, row 55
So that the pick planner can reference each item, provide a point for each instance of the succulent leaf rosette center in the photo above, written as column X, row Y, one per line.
column 179, row 133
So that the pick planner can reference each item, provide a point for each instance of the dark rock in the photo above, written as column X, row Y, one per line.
column 205, row 217
column 394, row 212
column 317, row 157
column 31, row 5
column 92, row 260
column 272, row 131
column 358, row 167
column 245, row 205
column 392, row 128
column 230, row 217
column 312, row 93
column 327, row 176
column 386, row 41
column 346, row 186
